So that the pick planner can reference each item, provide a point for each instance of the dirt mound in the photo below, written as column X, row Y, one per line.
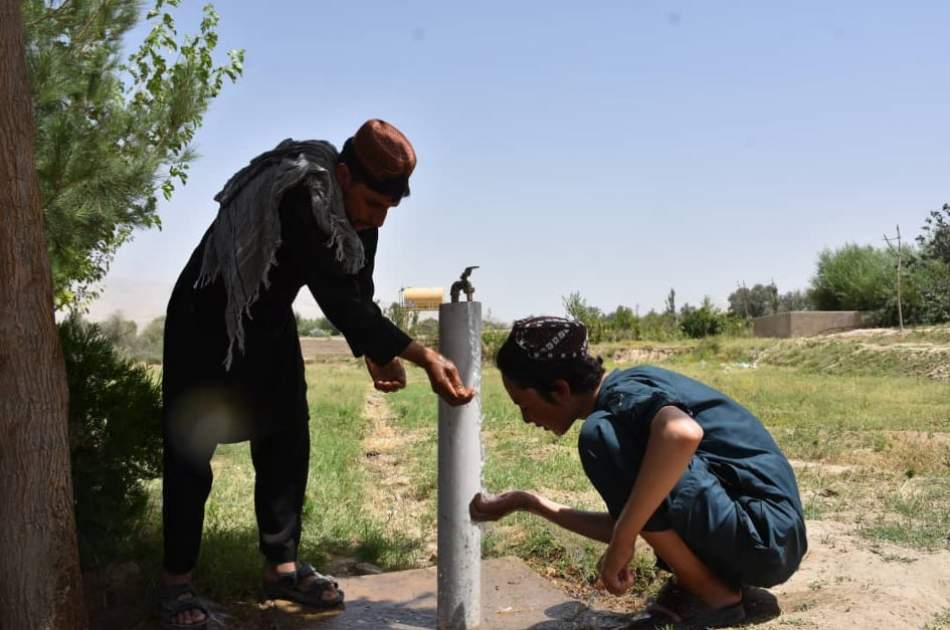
column 860, row 355
column 642, row 355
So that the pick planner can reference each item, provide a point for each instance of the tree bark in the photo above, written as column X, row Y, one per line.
column 40, row 583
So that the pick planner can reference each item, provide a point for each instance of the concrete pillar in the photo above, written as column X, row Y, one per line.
column 460, row 472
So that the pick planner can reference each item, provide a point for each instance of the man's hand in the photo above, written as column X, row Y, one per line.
column 443, row 375
column 447, row 382
column 390, row 377
column 493, row 507
column 614, row 568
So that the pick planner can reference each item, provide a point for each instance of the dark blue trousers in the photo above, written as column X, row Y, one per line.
column 744, row 537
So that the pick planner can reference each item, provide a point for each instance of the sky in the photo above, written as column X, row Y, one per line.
column 618, row 149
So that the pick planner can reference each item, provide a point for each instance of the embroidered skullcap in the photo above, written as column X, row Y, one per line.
column 550, row 338
column 381, row 157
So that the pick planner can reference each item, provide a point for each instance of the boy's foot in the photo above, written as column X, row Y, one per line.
column 179, row 607
column 302, row 585
column 678, row 608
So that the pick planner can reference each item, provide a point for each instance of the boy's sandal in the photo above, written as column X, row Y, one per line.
column 175, row 599
column 305, row 586
column 677, row 608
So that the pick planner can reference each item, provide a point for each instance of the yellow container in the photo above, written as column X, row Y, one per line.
column 422, row 298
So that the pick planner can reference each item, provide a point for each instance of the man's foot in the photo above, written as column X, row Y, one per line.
column 178, row 604
column 302, row 584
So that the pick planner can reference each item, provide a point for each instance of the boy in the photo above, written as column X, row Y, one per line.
column 692, row 472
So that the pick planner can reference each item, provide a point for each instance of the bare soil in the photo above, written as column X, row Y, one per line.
column 848, row 582
column 320, row 348
column 392, row 496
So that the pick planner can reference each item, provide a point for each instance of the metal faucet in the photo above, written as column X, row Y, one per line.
column 463, row 285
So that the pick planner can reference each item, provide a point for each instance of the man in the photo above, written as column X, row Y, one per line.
column 301, row 214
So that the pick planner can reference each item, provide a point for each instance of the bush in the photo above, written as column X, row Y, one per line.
column 592, row 317
column 621, row 325
column 704, row 321
column 795, row 301
column 125, row 338
column 934, row 239
column 865, row 279
column 114, row 436
column 150, row 342
column 761, row 299
column 926, row 296
column 932, row 268
column 426, row 331
column 854, row 278
column 660, row 327
column 319, row 327
column 492, row 339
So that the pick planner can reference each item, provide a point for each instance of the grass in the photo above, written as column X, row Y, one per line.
column 876, row 448
column 920, row 351
column 939, row 622
column 336, row 521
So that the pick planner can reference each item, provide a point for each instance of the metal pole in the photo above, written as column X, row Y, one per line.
column 460, row 472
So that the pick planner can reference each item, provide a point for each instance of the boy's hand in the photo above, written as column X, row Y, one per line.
column 614, row 568
column 389, row 377
column 493, row 507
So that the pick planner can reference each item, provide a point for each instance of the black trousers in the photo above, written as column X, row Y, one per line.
column 281, row 464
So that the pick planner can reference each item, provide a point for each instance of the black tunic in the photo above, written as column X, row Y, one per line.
column 265, row 385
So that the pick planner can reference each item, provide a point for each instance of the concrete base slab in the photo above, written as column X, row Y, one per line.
column 513, row 598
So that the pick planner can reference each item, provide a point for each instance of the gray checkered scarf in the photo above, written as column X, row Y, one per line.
column 245, row 235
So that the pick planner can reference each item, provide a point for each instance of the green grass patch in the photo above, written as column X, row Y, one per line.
column 887, row 427
column 940, row 622
column 918, row 516
column 335, row 518
column 517, row 455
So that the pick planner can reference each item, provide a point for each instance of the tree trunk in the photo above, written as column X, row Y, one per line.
column 40, row 584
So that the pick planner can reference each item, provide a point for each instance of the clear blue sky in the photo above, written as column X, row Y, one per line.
column 612, row 148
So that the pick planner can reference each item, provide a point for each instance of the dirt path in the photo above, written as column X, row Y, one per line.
column 390, row 489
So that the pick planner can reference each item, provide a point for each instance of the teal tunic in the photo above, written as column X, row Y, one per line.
column 737, row 505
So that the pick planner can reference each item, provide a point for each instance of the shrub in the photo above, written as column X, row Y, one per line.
column 934, row 240
column 761, row 299
column 621, row 325
column 865, row 278
column 854, row 277
column 704, row 321
column 795, row 301
column 492, row 340
column 115, row 439
column 319, row 327
column 928, row 291
column 150, row 341
column 932, row 268
column 660, row 327
column 592, row 317
column 144, row 346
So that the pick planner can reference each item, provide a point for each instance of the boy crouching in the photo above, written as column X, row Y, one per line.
column 681, row 465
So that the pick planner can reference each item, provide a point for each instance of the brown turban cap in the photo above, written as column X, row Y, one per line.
column 380, row 156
